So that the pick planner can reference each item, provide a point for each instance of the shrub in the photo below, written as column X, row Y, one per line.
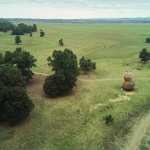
column 15, row 104
column 61, row 43
column 148, row 40
column 108, row 119
column 87, row 65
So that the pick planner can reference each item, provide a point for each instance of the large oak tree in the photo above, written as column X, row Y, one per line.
column 65, row 67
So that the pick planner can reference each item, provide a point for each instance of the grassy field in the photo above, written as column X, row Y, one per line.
column 75, row 122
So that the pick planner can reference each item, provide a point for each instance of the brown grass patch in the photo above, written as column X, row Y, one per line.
column 96, row 106
column 120, row 98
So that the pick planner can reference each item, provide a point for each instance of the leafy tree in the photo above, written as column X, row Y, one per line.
column 11, row 76
column 17, row 39
column 17, row 31
column 25, row 28
column 29, row 29
column 23, row 60
column 144, row 55
column 64, row 63
column 42, row 33
column 6, row 26
column 148, row 40
column 87, row 65
column 51, row 86
column 61, row 43
column 34, row 28
column 15, row 104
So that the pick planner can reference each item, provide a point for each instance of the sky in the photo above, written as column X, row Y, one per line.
column 74, row 9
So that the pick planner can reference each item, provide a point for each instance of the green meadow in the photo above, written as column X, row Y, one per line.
column 75, row 121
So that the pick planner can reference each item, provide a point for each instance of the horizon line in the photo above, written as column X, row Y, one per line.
column 77, row 18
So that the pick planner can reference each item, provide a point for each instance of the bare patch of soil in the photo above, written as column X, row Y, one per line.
column 96, row 106
column 35, row 87
column 129, row 93
column 120, row 98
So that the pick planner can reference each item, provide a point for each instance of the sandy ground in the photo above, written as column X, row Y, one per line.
column 36, row 86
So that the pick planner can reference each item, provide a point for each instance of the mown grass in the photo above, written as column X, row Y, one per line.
column 75, row 122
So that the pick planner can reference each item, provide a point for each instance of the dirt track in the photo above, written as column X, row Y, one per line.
column 138, row 132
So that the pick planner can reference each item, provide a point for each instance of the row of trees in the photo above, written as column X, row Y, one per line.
column 22, row 28
column 6, row 26
column 15, row 72
column 18, row 38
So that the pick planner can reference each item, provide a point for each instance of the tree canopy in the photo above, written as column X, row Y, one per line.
column 61, row 43
column 144, row 55
column 148, row 40
column 22, row 28
column 6, row 26
column 87, row 65
column 17, row 39
column 23, row 60
column 42, row 33
column 64, row 64
column 11, row 76
column 15, row 104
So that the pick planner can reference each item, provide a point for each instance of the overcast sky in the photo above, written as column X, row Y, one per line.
column 71, row 9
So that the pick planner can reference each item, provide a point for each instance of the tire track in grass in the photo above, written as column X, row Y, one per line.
column 138, row 132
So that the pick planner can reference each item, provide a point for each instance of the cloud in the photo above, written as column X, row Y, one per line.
column 74, row 8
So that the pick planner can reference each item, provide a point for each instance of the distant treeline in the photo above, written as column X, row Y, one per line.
column 6, row 26
column 20, row 29
column 96, row 20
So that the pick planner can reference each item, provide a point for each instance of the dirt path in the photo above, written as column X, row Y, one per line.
column 138, row 132
column 91, row 80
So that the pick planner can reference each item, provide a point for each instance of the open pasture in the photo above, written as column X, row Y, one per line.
column 75, row 121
